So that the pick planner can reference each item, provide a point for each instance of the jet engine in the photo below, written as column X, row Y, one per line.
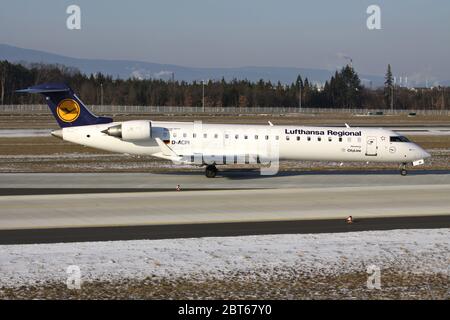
column 131, row 130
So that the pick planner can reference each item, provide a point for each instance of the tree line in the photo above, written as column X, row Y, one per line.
column 343, row 90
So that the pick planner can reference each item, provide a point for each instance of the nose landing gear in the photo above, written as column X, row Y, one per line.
column 403, row 170
column 210, row 171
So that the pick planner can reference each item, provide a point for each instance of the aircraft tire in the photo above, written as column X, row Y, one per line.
column 211, row 171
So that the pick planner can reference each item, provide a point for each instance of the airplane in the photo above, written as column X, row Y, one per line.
column 210, row 145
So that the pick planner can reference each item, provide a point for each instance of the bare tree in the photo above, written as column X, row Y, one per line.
column 2, row 82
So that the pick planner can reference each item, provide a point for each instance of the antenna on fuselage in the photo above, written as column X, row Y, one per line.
column 270, row 123
column 346, row 125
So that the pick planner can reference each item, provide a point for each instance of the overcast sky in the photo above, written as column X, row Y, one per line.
column 415, row 34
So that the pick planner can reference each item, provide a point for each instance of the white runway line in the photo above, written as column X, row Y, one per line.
column 22, row 133
column 422, row 131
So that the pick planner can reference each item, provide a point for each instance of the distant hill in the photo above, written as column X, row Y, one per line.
column 144, row 70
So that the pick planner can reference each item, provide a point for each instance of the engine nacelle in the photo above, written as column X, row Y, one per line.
column 131, row 130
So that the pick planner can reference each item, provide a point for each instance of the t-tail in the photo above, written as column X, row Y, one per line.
column 66, row 107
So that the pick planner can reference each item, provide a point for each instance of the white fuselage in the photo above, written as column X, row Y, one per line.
column 187, row 139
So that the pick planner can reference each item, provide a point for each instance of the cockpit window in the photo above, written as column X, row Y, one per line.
column 399, row 139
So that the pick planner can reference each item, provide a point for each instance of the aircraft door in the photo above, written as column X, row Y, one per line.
column 371, row 146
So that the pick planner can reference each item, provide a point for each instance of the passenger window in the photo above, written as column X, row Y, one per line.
column 267, row 137
column 349, row 139
column 298, row 138
column 287, row 138
column 277, row 138
column 330, row 139
column 340, row 139
column 205, row 135
column 236, row 136
column 308, row 138
column 246, row 137
column 256, row 137
column 194, row 135
column 184, row 135
column 227, row 136
column 319, row 139
column 174, row 134
column 216, row 136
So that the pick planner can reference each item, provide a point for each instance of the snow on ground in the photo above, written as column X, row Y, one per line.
column 418, row 251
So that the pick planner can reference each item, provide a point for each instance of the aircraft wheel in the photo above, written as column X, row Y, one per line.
column 403, row 170
column 210, row 171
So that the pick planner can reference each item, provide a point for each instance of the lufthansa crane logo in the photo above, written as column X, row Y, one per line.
column 68, row 110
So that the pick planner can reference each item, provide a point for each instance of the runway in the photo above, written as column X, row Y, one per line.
column 71, row 207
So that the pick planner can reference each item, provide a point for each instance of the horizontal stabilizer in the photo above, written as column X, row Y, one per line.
column 46, row 88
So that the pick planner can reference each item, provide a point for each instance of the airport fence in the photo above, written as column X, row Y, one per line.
column 110, row 109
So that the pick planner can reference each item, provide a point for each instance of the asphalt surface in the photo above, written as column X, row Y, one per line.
column 48, row 191
column 103, row 207
column 219, row 206
column 55, row 235
column 226, row 179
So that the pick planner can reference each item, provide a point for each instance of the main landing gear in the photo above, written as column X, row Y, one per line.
column 403, row 170
column 210, row 171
